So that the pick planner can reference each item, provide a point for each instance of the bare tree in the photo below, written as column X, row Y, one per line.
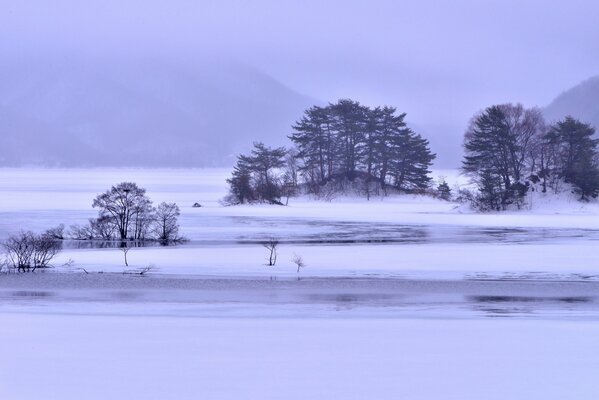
column 124, row 204
column 271, row 246
column 166, row 227
column 125, row 249
column 102, row 227
column 80, row 232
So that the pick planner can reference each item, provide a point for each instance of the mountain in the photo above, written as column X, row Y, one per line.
column 581, row 102
column 138, row 111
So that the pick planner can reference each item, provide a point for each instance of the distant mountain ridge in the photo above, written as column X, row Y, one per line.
column 140, row 112
column 581, row 102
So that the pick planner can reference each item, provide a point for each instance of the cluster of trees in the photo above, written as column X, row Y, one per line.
column 125, row 212
column 340, row 145
column 510, row 150
column 27, row 251
column 346, row 140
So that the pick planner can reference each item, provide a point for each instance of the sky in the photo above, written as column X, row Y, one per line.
column 439, row 61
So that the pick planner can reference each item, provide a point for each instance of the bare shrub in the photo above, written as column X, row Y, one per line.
column 26, row 251
column 298, row 260
column 19, row 250
column 57, row 232
column 45, row 248
column 81, row 232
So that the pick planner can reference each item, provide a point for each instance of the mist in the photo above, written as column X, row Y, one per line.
column 195, row 83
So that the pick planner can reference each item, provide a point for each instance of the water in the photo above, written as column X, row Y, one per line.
column 310, row 296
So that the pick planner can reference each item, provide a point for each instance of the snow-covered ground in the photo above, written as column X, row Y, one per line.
column 401, row 298
column 71, row 357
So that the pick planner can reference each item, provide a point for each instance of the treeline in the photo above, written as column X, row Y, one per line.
column 510, row 151
column 340, row 147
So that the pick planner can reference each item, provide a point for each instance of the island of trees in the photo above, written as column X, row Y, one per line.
column 340, row 148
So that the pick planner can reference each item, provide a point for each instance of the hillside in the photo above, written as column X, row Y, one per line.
column 581, row 102
column 138, row 111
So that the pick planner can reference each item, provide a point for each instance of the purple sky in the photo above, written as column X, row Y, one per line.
column 440, row 61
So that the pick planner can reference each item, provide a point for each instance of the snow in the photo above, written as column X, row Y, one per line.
column 114, row 357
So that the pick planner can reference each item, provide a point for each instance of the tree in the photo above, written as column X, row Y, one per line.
column 410, row 161
column 263, row 161
column 166, row 226
column 314, row 136
column 346, row 141
column 576, row 154
column 443, row 190
column 240, row 183
column 271, row 246
column 498, row 146
column 126, row 206
column 349, row 121
column 390, row 130
column 256, row 177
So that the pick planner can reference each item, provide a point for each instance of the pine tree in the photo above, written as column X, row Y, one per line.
column 349, row 123
column 498, row 145
column 443, row 190
column 255, row 177
column 410, row 161
column 577, row 155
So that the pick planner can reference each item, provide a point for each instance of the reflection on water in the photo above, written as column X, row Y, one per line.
column 505, row 306
column 215, row 230
column 110, row 244
column 380, row 297
column 254, row 230
column 528, row 299
column 35, row 294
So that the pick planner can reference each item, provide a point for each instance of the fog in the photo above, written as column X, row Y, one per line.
column 184, row 83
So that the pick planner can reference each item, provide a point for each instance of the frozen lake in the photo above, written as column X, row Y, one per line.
column 112, row 335
column 401, row 298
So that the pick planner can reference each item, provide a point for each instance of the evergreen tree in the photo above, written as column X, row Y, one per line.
column 349, row 123
column 577, row 155
column 255, row 177
column 443, row 190
column 313, row 137
column 240, row 183
column 392, row 129
column 411, row 159
column 346, row 140
column 498, row 145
